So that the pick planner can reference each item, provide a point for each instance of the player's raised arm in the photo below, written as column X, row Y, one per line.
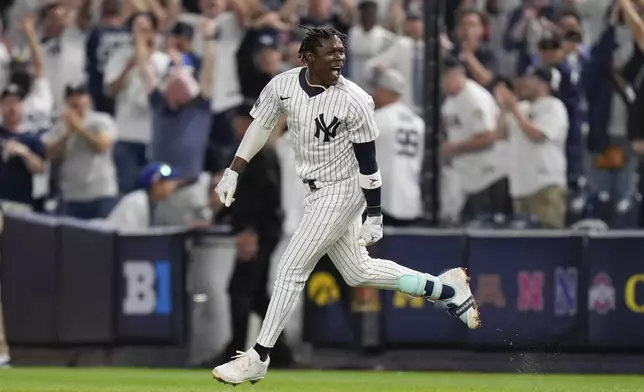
column 266, row 113
column 363, row 133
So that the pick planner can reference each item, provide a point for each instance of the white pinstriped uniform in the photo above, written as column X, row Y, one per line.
column 323, row 158
column 332, row 214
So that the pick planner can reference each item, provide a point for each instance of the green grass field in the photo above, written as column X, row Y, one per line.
column 146, row 380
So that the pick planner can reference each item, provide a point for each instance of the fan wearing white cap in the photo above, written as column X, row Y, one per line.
column 400, row 150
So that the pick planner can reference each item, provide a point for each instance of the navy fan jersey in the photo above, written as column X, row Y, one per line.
column 15, row 178
column 101, row 44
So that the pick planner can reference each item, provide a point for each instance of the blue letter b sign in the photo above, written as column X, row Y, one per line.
column 147, row 288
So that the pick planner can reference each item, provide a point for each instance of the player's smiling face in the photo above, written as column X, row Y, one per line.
column 328, row 61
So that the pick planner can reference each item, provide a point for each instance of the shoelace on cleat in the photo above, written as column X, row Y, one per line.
column 241, row 361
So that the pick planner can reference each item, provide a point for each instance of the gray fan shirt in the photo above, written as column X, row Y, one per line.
column 86, row 175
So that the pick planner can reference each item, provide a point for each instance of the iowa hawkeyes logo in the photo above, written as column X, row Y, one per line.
column 322, row 289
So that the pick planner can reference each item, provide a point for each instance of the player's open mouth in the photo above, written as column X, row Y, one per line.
column 336, row 71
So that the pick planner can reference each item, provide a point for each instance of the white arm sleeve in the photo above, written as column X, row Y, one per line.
column 253, row 141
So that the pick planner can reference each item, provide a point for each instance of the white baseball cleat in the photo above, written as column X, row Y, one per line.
column 461, row 305
column 245, row 367
column 5, row 362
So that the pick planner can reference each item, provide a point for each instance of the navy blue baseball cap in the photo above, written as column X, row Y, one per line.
column 542, row 72
column 76, row 89
column 182, row 29
column 266, row 41
column 451, row 61
column 155, row 172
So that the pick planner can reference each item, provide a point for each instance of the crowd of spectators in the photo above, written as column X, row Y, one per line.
column 540, row 117
column 564, row 130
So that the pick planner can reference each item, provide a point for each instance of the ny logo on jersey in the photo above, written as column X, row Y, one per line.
column 328, row 130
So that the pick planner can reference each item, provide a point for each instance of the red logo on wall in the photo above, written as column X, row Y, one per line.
column 530, row 291
column 601, row 295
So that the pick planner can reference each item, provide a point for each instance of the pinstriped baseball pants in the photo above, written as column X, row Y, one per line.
column 330, row 225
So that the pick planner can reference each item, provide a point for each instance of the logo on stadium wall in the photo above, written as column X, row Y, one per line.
column 489, row 291
column 566, row 283
column 630, row 293
column 322, row 289
column 148, row 288
column 530, row 291
column 402, row 301
column 601, row 295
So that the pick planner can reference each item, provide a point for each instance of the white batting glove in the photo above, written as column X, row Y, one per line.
column 371, row 231
column 226, row 187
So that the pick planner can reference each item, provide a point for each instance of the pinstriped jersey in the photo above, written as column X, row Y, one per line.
column 322, row 122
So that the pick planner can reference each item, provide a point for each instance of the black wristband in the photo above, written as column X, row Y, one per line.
column 372, row 196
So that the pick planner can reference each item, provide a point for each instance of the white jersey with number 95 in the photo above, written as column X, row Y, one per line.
column 400, row 150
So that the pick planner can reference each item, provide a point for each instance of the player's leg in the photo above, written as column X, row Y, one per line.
column 281, row 355
column 328, row 212
column 360, row 269
column 4, row 348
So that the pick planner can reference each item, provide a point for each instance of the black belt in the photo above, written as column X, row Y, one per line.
column 311, row 184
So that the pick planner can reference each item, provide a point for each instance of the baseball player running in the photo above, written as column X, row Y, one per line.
column 332, row 128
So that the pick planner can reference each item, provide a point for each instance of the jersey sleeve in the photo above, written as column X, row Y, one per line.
column 35, row 144
column 484, row 117
column 56, row 131
column 552, row 120
column 41, row 93
column 268, row 107
column 361, row 120
column 127, row 214
column 107, row 125
column 115, row 65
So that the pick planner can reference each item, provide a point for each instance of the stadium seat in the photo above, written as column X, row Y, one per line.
column 523, row 221
column 482, row 221
column 577, row 201
column 626, row 214
column 587, row 225
column 600, row 206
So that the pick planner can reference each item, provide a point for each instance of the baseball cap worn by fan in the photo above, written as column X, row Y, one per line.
column 182, row 29
column 451, row 61
column 76, row 89
column 550, row 42
column 13, row 90
column 366, row 3
column 543, row 73
column 391, row 80
column 266, row 41
column 155, row 172
column 414, row 12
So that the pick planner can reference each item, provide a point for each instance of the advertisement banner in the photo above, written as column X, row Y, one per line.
column 528, row 288
column 29, row 274
column 327, row 310
column 151, row 288
column 86, row 295
column 616, row 289
column 410, row 320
